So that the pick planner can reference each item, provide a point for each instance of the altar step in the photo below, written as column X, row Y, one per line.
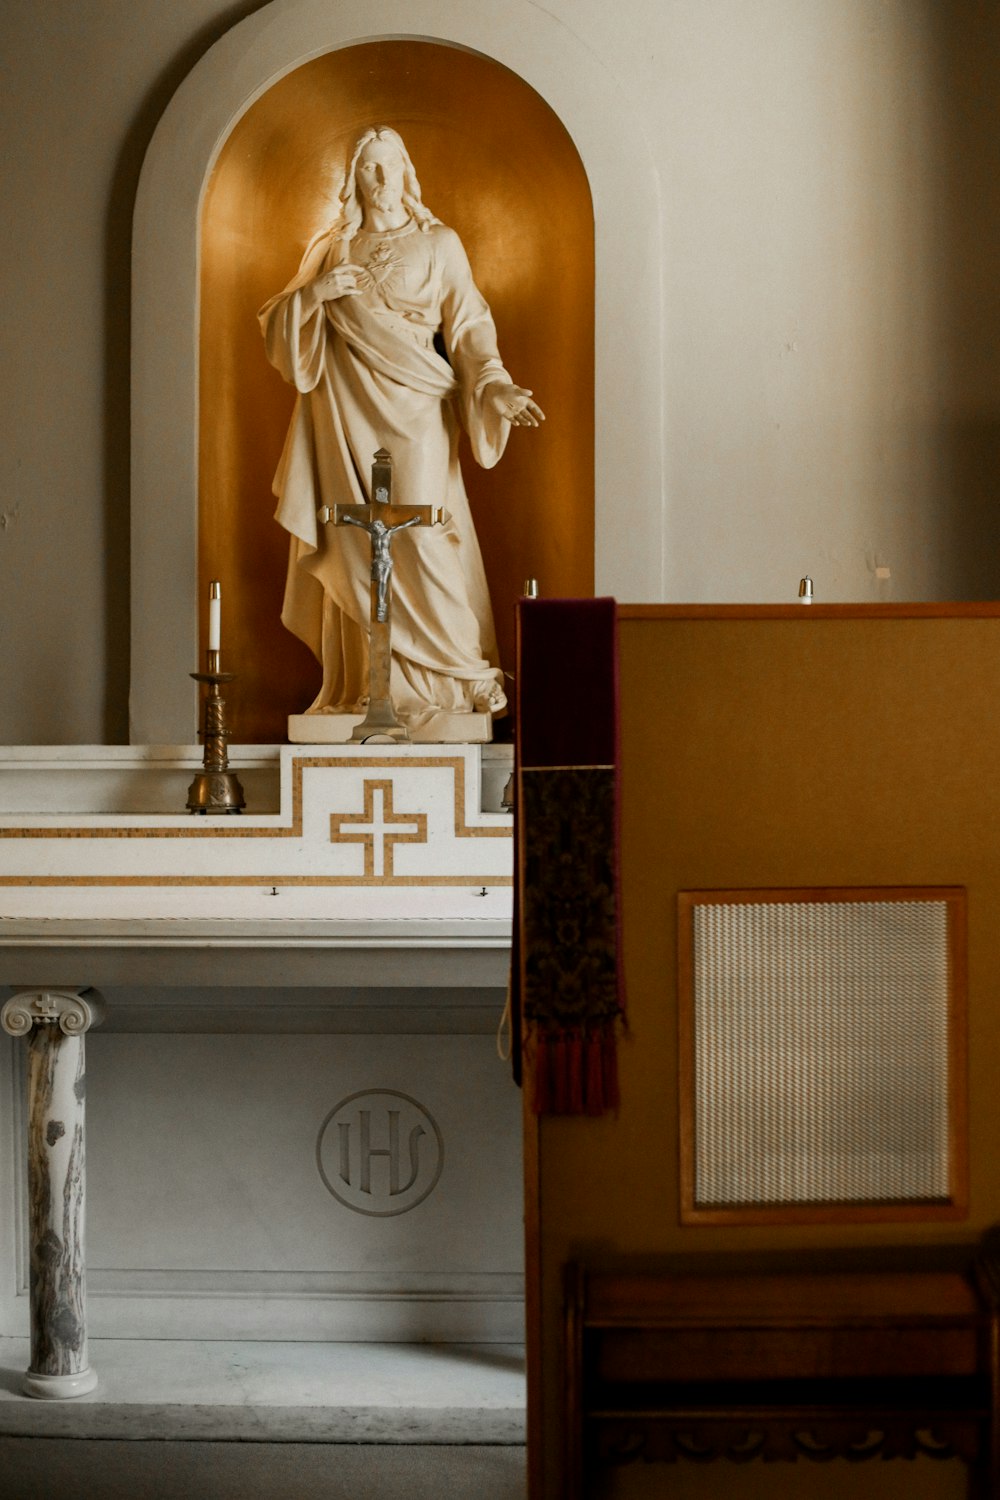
column 71, row 1469
column 275, row 1392
column 176, row 1419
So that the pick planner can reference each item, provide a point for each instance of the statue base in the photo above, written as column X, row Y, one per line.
column 440, row 729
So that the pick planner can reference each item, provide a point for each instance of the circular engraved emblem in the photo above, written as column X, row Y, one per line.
column 380, row 1152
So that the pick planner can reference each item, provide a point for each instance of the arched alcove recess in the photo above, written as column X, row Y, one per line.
column 606, row 120
column 497, row 165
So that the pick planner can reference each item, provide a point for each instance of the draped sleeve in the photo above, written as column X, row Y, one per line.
column 470, row 338
column 294, row 326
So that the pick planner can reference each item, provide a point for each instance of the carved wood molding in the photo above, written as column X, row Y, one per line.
column 654, row 1439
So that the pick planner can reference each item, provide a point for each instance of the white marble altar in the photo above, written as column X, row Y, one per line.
column 298, row 1128
column 119, row 779
column 391, row 817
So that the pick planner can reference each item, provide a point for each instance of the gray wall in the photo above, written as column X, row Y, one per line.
column 831, row 182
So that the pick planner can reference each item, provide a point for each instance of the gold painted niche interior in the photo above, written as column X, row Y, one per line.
column 496, row 164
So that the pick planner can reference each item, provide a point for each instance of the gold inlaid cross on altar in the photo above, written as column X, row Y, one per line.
column 381, row 519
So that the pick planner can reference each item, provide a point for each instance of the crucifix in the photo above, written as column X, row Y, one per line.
column 381, row 519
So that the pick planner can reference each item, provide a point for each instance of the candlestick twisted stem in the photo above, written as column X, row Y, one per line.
column 216, row 789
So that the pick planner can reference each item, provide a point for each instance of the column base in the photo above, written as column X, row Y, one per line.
column 59, row 1387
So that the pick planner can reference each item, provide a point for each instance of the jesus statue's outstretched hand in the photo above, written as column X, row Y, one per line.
column 514, row 403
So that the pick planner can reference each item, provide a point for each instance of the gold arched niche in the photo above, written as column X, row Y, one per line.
column 496, row 164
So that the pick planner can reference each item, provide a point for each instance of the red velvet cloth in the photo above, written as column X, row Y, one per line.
column 567, row 979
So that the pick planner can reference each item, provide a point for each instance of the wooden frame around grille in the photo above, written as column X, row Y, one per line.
column 756, row 1036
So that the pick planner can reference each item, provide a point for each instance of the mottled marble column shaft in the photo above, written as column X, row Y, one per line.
column 54, row 1021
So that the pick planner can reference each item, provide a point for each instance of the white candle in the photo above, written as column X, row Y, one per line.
column 214, row 615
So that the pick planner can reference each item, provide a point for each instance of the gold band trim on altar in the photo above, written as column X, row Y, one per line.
column 236, row 829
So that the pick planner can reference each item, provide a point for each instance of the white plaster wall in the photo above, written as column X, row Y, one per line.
column 829, row 175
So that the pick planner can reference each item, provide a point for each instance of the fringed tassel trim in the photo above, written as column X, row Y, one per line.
column 574, row 1072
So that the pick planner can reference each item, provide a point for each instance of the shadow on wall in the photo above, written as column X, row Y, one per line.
column 117, row 353
column 966, row 38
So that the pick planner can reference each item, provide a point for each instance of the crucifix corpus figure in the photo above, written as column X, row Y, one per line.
column 381, row 520
column 358, row 333
column 381, row 536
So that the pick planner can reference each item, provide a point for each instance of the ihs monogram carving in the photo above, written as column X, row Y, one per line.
column 380, row 1153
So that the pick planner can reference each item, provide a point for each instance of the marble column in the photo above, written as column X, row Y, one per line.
column 54, row 1022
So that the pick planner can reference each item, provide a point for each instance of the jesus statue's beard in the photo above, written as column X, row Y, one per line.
column 385, row 199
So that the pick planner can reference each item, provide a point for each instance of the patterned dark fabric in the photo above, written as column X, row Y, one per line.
column 567, row 973
column 570, row 963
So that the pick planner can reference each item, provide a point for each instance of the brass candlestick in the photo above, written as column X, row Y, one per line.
column 215, row 789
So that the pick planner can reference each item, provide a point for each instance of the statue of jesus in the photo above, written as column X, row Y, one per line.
column 355, row 333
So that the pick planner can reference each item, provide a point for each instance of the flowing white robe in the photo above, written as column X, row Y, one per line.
column 368, row 377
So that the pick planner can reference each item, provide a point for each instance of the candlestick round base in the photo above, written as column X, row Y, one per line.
column 215, row 792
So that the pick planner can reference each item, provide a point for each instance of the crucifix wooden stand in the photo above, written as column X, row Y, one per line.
column 381, row 519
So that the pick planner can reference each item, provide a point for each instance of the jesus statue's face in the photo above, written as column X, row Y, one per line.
column 379, row 176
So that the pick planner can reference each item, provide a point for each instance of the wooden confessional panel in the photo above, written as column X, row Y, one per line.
column 773, row 748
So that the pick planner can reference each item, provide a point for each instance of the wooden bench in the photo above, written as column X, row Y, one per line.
column 859, row 1365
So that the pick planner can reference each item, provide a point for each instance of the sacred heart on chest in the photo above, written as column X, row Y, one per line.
column 382, row 265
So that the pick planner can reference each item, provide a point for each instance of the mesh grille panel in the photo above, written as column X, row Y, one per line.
column 821, row 1052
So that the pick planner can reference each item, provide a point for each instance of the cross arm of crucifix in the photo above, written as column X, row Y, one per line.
column 392, row 516
column 344, row 515
column 381, row 507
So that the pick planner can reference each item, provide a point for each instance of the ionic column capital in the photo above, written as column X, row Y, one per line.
column 74, row 1010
